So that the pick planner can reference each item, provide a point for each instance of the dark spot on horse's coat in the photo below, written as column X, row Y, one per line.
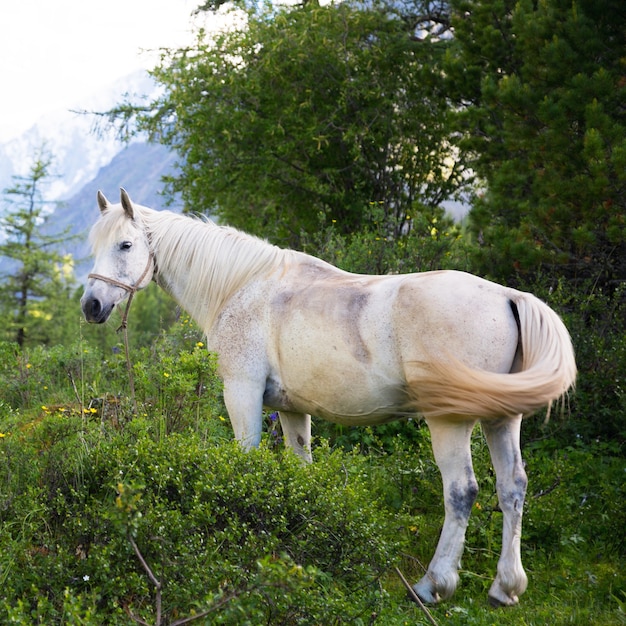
column 283, row 299
column 514, row 499
column 521, row 482
column 511, row 501
column 315, row 269
column 357, row 301
column 462, row 497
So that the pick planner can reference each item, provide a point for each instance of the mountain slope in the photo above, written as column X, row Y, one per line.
column 77, row 151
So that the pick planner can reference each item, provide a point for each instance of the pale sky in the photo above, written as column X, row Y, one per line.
column 53, row 52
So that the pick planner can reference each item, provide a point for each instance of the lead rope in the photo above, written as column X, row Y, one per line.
column 132, row 290
column 124, row 328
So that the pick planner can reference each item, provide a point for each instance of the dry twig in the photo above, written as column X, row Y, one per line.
column 416, row 598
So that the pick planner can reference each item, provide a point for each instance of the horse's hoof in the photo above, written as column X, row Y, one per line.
column 426, row 593
column 500, row 595
column 502, row 600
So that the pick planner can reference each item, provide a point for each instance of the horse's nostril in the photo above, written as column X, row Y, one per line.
column 95, row 311
column 95, row 308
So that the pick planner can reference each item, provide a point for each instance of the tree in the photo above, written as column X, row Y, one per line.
column 36, row 275
column 542, row 86
column 307, row 111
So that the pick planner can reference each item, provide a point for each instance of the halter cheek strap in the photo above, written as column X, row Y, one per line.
column 132, row 289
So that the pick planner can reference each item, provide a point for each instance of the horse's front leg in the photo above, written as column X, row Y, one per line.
column 503, row 439
column 244, row 402
column 297, row 431
column 451, row 447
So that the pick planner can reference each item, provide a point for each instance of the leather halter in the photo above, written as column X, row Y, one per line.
column 131, row 289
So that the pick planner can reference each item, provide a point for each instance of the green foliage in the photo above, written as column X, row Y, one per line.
column 177, row 383
column 308, row 110
column 586, row 508
column 249, row 536
column 543, row 84
column 174, row 378
column 432, row 242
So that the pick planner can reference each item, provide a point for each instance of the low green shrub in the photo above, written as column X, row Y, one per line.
column 239, row 534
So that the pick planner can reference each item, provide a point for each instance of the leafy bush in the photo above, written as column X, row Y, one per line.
column 241, row 534
column 178, row 384
column 426, row 240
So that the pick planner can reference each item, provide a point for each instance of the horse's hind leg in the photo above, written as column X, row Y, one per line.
column 297, row 431
column 451, row 447
column 503, row 438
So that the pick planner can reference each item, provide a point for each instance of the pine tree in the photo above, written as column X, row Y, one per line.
column 33, row 271
column 542, row 87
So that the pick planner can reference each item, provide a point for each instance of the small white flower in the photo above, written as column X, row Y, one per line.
column 86, row 577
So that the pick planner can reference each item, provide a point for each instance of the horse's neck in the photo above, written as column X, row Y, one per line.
column 201, row 265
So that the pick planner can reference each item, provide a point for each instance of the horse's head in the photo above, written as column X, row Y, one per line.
column 123, row 260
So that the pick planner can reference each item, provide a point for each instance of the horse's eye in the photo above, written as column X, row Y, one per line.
column 126, row 245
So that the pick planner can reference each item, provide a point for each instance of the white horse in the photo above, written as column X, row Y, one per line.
column 297, row 335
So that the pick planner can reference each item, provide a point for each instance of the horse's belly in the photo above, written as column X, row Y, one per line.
column 340, row 389
column 334, row 355
column 340, row 405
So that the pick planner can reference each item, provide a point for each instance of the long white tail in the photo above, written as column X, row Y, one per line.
column 451, row 388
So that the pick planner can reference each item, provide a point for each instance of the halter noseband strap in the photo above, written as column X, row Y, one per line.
column 132, row 289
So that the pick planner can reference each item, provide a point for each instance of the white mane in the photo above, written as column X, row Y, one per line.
column 210, row 261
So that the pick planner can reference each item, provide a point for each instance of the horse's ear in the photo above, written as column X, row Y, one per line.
column 127, row 205
column 103, row 203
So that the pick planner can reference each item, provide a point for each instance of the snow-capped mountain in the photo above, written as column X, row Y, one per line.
column 78, row 151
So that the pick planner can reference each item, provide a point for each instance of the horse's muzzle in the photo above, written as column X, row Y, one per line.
column 94, row 311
